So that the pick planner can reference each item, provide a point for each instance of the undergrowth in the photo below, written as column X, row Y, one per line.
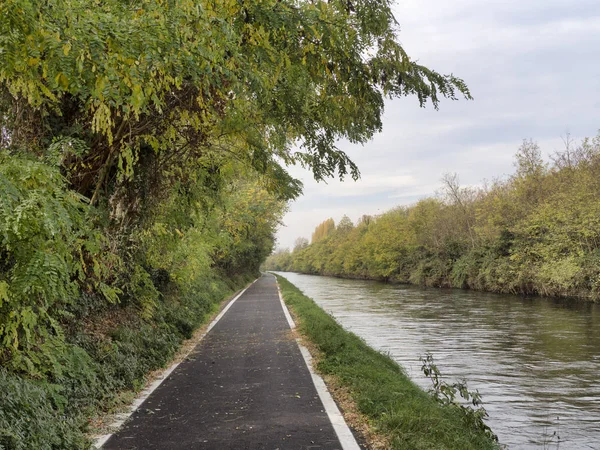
column 55, row 413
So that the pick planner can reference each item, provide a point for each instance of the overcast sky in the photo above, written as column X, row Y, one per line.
column 533, row 67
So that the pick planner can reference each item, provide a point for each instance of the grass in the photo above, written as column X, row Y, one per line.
column 403, row 414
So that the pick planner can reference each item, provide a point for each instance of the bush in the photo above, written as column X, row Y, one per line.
column 32, row 417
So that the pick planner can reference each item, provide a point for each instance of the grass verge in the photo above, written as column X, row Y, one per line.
column 405, row 416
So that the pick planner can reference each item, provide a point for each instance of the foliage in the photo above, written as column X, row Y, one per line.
column 32, row 416
column 406, row 416
column 323, row 230
column 49, row 253
column 154, row 86
column 536, row 232
column 446, row 394
column 143, row 147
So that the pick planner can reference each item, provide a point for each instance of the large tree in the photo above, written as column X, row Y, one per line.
column 130, row 97
column 175, row 120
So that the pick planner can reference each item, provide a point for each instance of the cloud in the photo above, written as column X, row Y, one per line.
column 369, row 184
column 533, row 69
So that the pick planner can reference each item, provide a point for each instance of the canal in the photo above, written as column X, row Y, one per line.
column 535, row 361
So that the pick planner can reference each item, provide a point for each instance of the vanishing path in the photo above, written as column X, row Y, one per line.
column 245, row 386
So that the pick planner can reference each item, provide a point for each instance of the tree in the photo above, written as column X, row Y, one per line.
column 300, row 244
column 152, row 92
column 345, row 225
column 529, row 161
column 364, row 220
column 463, row 200
column 323, row 230
column 168, row 124
column 531, row 169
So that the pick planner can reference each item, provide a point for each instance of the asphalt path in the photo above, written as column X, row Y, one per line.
column 245, row 386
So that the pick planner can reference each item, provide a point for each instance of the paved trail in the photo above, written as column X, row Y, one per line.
column 245, row 386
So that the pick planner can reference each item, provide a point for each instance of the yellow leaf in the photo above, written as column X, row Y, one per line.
column 3, row 292
column 62, row 80
column 67, row 48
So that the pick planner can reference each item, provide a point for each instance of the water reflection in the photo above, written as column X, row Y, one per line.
column 536, row 361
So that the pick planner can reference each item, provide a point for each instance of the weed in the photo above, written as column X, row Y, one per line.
column 471, row 406
column 32, row 416
column 552, row 441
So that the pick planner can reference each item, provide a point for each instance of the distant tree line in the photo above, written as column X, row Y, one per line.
column 536, row 232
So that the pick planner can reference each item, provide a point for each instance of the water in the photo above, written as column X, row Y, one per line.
column 536, row 361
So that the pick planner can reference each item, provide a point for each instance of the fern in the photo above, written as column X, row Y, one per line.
column 45, row 238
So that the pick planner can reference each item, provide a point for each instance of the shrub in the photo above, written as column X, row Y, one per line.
column 32, row 417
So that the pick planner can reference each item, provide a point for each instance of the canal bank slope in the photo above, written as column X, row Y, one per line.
column 536, row 232
column 401, row 414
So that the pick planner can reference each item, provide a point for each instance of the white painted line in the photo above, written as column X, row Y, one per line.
column 143, row 395
column 285, row 310
column 335, row 416
column 337, row 420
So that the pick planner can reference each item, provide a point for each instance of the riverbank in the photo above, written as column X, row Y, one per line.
column 446, row 283
column 536, row 232
column 475, row 271
column 397, row 410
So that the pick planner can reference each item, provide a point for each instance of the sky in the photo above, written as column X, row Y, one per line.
column 533, row 68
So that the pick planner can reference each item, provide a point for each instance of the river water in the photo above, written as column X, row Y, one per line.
column 535, row 361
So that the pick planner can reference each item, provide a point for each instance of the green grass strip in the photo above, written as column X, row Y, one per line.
column 398, row 409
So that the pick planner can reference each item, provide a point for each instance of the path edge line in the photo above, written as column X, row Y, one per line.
column 146, row 392
column 341, row 428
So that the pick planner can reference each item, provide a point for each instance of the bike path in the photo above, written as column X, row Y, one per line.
column 245, row 386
